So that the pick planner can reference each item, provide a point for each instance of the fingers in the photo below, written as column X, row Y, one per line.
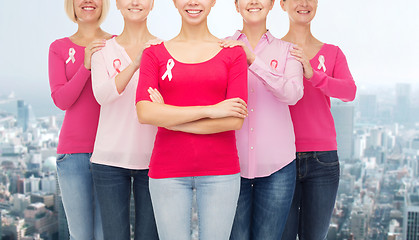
column 296, row 47
column 153, row 99
column 95, row 46
column 237, row 107
column 96, row 43
column 159, row 95
column 152, row 42
column 301, row 60
column 299, row 53
column 238, row 110
column 241, row 111
column 238, row 100
column 230, row 43
column 155, row 41
column 155, row 95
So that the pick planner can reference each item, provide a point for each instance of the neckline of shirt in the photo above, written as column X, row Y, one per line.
column 318, row 53
column 72, row 43
column 203, row 62
column 121, row 49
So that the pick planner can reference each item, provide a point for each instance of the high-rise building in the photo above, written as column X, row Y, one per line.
column 48, row 184
column 19, row 202
column 402, row 108
column 360, row 143
column 46, row 198
column 359, row 222
column 22, row 115
column 40, row 220
column 411, row 217
column 343, row 114
column 367, row 106
column 29, row 185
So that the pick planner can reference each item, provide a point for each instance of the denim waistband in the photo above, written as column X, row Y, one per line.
column 310, row 154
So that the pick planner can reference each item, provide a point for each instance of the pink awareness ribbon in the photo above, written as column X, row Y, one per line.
column 321, row 63
column 116, row 65
column 71, row 53
column 274, row 64
column 169, row 66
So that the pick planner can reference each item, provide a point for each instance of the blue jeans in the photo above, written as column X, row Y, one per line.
column 314, row 197
column 216, row 198
column 263, row 205
column 113, row 187
column 79, row 197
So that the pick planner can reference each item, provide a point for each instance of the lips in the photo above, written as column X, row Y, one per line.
column 88, row 8
column 303, row 11
column 254, row 9
column 193, row 11
column 135, row 10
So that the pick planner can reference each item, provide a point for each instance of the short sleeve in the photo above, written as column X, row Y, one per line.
column 149, row 70
column 237, row 76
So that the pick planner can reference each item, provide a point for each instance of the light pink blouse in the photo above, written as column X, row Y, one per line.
column 266, row 141
column 121, row 141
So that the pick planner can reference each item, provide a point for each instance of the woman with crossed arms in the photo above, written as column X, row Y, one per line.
column 204, row 88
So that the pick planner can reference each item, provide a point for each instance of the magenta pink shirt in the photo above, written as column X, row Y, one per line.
column 71, row 90
column 313, row 122
column 266, row 141
column 180, row 154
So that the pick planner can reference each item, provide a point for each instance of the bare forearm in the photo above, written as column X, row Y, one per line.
column 123, row 78
column 163, row 115
column 210, row 126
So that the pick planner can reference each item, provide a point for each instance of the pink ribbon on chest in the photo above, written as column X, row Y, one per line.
column 117, row 66
column 274, row 64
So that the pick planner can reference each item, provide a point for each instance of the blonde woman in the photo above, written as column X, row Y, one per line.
column 71, row 91
column 326, row 75
column 123, row 146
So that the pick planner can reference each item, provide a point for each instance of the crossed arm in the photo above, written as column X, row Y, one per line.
column 224, row 116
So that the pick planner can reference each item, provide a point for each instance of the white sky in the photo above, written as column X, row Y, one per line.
column 379, row 37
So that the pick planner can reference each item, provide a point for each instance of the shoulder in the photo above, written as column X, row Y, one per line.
column 234, row 52
column 330, row 48
column 60, row 44
column 234, row 56
column 281, row 45
column 111, row 48
column 155, row 51
column 333, row 51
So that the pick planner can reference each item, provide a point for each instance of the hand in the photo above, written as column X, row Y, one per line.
column 91, row 48
column 233, row 107
column 226, row 43
column 151, row 42
column 298, row 53
column 155, row 95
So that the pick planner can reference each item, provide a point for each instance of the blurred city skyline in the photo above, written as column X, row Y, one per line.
column 378, row 147
column 379, row 39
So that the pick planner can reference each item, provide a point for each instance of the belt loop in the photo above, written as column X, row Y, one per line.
column 314, row 154
column 298, row 155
